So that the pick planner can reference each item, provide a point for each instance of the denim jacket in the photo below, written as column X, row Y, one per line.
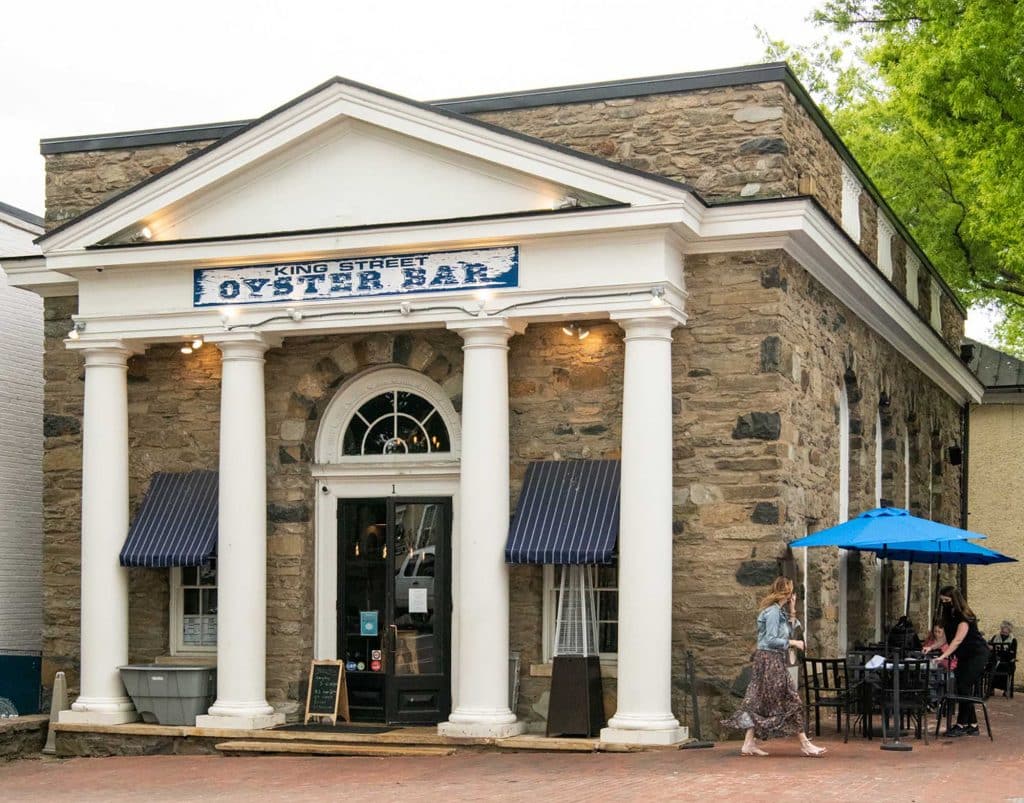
column 774, row 629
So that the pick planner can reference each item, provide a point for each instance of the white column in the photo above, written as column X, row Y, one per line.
column 104, row 620
column 644, row 711
column 482, row 595
column 242, row 543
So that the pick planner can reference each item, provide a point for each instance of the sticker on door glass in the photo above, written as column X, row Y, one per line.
column 368, row 623
column 417, row 600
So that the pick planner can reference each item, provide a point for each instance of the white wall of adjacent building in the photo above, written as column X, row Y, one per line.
column 21, row 446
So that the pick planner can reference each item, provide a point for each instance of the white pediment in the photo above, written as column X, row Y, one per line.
column 346, row 155
column 349, row 174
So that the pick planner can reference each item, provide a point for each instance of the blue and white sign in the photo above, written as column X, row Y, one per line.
column 357, row 277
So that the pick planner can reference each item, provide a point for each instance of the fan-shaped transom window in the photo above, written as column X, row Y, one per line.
column 393, row 423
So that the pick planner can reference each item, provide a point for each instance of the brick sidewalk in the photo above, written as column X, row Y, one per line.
column 972, row 769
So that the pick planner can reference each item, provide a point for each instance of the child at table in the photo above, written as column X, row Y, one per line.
column 935, row 642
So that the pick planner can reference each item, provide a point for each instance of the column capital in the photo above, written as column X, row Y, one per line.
column 494, row 332
column 112, row 353
column 653, row 323
column 243, row 345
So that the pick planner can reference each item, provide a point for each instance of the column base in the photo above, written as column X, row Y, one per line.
column 98, row 717
column 480, row 730
column 250, row 722
column 659, row 736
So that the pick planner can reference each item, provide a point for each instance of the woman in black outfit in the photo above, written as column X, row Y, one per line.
column 967, row 644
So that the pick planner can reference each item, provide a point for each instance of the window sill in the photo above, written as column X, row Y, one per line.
column 609, row 669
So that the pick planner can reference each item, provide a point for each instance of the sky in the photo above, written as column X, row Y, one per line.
column 70, row 68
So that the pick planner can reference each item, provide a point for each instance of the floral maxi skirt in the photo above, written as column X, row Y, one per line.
column 771, row 705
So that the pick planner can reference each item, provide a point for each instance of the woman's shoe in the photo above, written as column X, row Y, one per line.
column 812, row 750
column 752, row 750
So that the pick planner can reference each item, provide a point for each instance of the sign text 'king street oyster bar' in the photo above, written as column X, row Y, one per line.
column 357, row 277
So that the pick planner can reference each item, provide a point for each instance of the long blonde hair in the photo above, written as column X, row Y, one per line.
column 781, row 591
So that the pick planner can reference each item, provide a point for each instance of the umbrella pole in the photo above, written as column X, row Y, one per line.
column 896, row 744
column 909, row 577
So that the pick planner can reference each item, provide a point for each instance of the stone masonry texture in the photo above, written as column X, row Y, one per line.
column 757, row 372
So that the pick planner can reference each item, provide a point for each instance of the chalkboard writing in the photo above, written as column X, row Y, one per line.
column 327, row 696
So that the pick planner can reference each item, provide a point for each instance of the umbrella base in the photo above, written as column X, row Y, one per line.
column 901, row 747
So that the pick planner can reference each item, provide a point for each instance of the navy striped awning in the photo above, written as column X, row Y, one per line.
column 568, row 513
column 177, row 522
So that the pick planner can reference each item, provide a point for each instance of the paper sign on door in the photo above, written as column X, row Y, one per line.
column 417, row 600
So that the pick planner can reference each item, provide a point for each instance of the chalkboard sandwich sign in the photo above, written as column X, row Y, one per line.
column 327, row 696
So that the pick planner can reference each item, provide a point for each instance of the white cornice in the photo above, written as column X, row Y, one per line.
column 416, row 236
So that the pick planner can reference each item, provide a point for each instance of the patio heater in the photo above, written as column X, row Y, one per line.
column 576, row 706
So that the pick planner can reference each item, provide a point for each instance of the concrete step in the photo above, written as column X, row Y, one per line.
column 330, row 749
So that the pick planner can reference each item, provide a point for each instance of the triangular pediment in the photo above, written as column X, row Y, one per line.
column 346, row 155
column 353, row 174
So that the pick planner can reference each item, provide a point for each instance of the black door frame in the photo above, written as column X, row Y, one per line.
column 394, row 684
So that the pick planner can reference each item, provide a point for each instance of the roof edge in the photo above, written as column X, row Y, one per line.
column 22, row 215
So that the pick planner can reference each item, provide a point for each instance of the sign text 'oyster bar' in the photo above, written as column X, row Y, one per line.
column 357, row 277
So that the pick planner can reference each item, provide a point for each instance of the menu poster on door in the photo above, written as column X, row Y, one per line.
column 368, row 623
column 417, row 600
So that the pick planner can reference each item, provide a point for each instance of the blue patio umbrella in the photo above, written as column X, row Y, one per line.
column 883, row 527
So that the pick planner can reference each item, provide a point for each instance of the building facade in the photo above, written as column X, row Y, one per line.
column 689, row 275
column 21, row 476
column 997, row 486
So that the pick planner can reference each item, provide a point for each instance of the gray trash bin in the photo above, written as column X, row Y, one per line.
column 167, row 694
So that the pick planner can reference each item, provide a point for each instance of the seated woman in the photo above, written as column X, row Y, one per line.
column 1004, row 653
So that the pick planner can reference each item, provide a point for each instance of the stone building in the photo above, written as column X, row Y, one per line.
column 689, row 275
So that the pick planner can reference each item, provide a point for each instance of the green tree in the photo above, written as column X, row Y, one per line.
column 929, row 96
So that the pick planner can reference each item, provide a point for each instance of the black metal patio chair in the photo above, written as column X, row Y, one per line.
column 827, row 687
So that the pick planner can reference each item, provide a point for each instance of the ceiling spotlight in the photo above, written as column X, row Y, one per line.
column 76, row 330
column 186, row 349
column 657, row 296
column 577, row 331
column 197, row 343
column 146, row 233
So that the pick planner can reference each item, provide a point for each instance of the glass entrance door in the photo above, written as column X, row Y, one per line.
column 394, row 608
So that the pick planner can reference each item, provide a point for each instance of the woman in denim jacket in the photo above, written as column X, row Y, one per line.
column 772, row 706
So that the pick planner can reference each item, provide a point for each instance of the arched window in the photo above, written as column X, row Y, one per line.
column 396, row 422
column 391, row 414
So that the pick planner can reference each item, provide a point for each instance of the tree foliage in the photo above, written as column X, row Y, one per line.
column 929, row 96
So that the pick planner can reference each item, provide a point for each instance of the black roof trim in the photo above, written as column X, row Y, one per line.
column 362, row 227
column 612, row 90
column 139, row 139
column 21, row 214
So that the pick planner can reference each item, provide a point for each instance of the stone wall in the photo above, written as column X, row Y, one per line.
column 62, row 493
column 76, row 182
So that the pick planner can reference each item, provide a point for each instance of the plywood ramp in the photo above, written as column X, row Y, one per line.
column 330, row 749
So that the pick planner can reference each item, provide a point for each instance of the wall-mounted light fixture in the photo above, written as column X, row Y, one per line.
column 76, row 330
column 186, row 349
column 657, row 296
column 146, row 233
column 576, row 330
column 567, row 202
column 197, row 343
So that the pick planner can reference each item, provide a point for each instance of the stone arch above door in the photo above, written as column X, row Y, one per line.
column 352, row 395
